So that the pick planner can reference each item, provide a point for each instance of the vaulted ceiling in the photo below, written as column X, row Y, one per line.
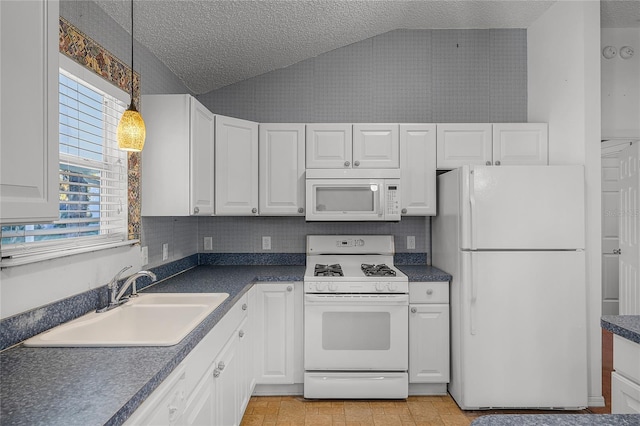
column 209, row 44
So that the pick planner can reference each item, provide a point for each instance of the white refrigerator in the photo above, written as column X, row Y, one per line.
column 513, row 237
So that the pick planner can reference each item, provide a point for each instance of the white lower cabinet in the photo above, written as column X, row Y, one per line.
column 212, row 385
column 226, row 387
column 625, row 379
column 429, row 332
column 279, row 335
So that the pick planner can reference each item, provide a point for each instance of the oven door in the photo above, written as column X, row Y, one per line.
column 365, row 332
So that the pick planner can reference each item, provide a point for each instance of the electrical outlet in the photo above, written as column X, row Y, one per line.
column 208, row 243
column 411, row 242
column 145, row 255
column 165, row 251
column 266, row 243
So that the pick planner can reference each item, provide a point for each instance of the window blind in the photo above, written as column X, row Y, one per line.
column 93, row 176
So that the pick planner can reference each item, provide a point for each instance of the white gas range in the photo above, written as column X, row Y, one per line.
column 356, row 318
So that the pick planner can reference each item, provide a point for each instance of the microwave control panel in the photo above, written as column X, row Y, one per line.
column 393, row 202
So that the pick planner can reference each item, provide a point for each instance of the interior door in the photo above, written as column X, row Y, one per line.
column 629, row 229
column 610, row 245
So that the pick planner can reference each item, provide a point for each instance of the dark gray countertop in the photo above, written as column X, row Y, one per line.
column 95, row 386
column 558, row 420
column 87, row 386
column 627, row 326
column 423, row 273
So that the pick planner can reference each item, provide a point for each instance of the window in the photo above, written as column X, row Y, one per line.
column 93, row 177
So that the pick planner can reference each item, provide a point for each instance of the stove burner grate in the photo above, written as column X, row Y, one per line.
column 380, row 270
column 334, row 270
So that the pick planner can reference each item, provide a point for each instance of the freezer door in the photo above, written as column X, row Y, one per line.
column 523, row 207
column 523, row 330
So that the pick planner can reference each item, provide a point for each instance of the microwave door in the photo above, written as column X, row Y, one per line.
column 335, row 199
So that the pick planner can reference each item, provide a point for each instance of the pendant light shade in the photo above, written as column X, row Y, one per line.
column 131, row 130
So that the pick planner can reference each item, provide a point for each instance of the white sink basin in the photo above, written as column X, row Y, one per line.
column 151, row 319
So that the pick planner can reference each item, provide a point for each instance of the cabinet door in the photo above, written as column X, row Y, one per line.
column 202, row 159
column 282, row 167
column 226, row 377
column 376, row 146
column 429, row 343
column 625, row 395
column 460, row 144
column 29, row 113
column 167, row 181
column 520, row 144
column 275, row 335
column 199, row 409
column 245, row 359
column 418, row 169
column 328, row 146
column 236, row 183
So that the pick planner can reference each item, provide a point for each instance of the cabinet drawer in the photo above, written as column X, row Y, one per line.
column 429, row 292
column 625, row 395
column 625, row 358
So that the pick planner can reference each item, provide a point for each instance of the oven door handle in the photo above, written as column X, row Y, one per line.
column 359, row 299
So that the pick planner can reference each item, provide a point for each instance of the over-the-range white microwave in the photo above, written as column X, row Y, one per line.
column 353, row 194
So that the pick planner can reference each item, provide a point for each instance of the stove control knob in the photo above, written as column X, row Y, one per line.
column 379, row 287
column 333, row 287
column 392, row 286
column 321, row 286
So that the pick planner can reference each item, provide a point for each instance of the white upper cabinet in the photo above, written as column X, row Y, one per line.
column 418, row 169
column 29, row 113
column 178, row 158
column 358, row 146
column 492, row 144
column 376, row 146
column 236, row 167
column 282, row 168
column 460, row 144
column 520, row 144
column 328, row 146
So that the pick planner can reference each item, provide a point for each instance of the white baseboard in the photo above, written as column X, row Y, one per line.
column 427, row 388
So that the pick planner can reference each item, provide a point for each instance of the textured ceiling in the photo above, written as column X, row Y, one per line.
column 213, row 43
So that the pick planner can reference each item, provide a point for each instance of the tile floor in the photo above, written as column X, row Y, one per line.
column 416, row 410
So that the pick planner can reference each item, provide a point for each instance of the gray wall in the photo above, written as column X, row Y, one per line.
column 400, row 76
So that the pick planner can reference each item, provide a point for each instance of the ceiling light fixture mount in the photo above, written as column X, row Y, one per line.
column 131, row 129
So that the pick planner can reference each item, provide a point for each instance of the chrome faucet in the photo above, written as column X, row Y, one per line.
column 115, row 297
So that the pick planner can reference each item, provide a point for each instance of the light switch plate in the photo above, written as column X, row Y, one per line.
column 165, row 251
column 208, row 243
column 145, row 255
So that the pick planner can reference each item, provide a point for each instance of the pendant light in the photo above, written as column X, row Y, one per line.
column 131, row 129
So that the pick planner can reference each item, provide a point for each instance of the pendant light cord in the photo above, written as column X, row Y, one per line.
column 132, row 53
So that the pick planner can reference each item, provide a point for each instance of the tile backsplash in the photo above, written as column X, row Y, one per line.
column 185, row 235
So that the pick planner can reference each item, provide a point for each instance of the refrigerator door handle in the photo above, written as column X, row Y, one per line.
column 474, row 294
column 472, row 210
